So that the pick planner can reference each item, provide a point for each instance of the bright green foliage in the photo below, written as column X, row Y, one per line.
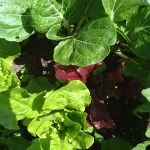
column 146, row 93
column 142, row 146
column 99, row 138
column 16, row 104
column 86, row 32
column 74, row 96
column 59, row 16
column 63, row 119
column 148, row 133
column 119, row 10
column 7, row 79
column 14, row 20
column 67, row 120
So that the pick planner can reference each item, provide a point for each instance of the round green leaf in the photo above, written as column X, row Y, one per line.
column 119, row 10
column 14, row 20
column 89, row 46
column 45, row 14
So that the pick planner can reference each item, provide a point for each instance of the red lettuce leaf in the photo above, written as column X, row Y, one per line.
column 105, row 89
column 98, row 116
column 128, row 86
column 131, row 88
column 116, row 76
column 70, row 72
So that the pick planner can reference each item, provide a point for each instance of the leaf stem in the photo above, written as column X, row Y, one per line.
column 80, row 23
column 82, row 19
column 122, row 55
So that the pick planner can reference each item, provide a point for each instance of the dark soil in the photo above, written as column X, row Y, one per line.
column 37, row 56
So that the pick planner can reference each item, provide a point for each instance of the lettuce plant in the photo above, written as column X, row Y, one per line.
column 87, row 32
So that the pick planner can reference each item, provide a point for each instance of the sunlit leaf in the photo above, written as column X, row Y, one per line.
column 119, row 10
column 89, row 46
column 14, row 20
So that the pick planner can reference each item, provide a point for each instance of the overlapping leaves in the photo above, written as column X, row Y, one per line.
column 139, row 32
column 18, row 19
column 89, row 46
column 56, row 117
column 54, row 18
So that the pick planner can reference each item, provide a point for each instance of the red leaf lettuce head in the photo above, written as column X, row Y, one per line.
column 116, row 76
column 98, row 116
column 127, row 85
column 70, row 72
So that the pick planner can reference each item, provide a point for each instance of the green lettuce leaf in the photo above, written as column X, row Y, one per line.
column 63, row 119
column 120, row 10
column 74, row 96
column 55, row 141
column 83, row 140
column 40, row 128
column 146, row 93
column 142, row 146
column 8, row 80
column 89, row 46
column 58, row 141
column 74, row 121
column 76, row 116
column 148, row 133
column 16, row 104
column 15, row 20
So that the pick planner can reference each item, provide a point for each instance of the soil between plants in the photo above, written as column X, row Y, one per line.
column 37, row 55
